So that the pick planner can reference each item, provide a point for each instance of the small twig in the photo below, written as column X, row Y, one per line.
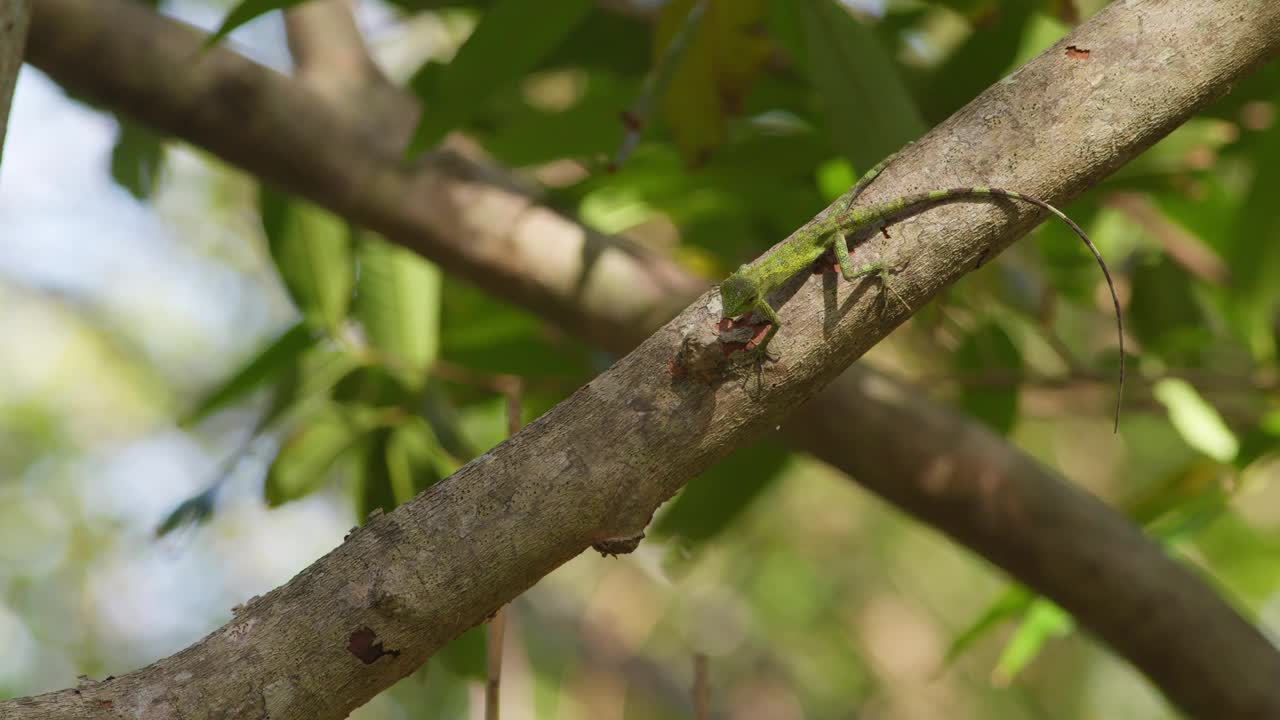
column 1204, row 380
column 497, row 632
column 655, row 85
column 501, row 383
column 701, row 688
column 331, row 58
column 1184, row 248
column 327, row 48
column 512, row 387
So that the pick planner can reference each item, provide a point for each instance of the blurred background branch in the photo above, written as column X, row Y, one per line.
column 298, row 156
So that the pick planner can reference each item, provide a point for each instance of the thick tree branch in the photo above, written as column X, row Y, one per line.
column 421, row 575
column 15, row 16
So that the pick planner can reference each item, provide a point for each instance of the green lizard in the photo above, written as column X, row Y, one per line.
column 746, row 289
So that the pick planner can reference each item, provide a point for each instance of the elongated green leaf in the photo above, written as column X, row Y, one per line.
column 1164, row 313
column 705, row 76
column 980, row 61
column 312, row 251
column 1260, row 441
column 988, row 349
column 465, row 655
column 372, row 386
column 304, row 460
column 194, row 510
column 712, row 501
column 1254, row 251
column 268, row 364
column 1010, row 604
column 372, row 488
column 300, row 386
column 438, row 409
column 512, row 38
column 246, row 11
column 414, row 460
column 398, row 304
column 1044, row 621
column 136, row 158
column 1196, row 420
column 868, row 110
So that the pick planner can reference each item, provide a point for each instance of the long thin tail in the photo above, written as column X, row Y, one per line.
column 901, row 205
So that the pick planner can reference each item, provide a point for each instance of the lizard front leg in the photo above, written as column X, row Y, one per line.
column 775, row 323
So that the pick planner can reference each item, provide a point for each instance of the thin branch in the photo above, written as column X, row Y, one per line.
column 371, row 611
column 15, row 17
column 655, row 85
column 1181, row 246
column 514, row 392
column 326, row 45
column 701, row 688
column 497, row 632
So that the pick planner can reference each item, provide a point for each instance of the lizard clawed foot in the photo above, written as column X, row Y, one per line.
column 884, row 280
column 760, row 355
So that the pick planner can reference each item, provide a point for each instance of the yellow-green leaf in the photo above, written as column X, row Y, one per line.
column 510, row 40
column 414, row 459
column 1044, row 621
column 723, row 54
column 304, row 460
column 269, row 363
column 398, row 304
column 246, row 11
column 1196, row 420
column 868, row 110
column 312, row 251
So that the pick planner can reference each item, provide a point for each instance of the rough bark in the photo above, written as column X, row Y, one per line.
column 421, row 575
column 15, row 16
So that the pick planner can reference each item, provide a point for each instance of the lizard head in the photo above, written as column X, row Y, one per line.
column 738, row 294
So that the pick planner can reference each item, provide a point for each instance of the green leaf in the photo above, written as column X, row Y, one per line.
column 1044, row 621
column 270, row 363
column 513, row 36
column 705, row 78
column 1260, row 441
column 398, row 305
column 716, row 498
column 372, row 386
column 312, row 251
column 304, row 460
column 465, row 655
column 246, row 11
column 985, row 350
column 983, row 58
column 1196, row 420
column 193, row 510
column 136, row 158
column 525, row 135
column 868, row 111
column 442, row 415
column 372, row 486
column 1013, row 602
column 415, row 461
column 1254, row 253
column 1163, row 312
column 485, row 334
column 613, row 42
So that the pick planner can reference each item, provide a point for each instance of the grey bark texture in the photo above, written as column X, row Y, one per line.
column 15, row 16
column 372, row 610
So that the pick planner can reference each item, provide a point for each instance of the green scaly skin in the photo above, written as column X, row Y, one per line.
column 746, row 289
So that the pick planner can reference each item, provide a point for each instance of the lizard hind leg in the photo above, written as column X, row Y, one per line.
column 876, row 267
